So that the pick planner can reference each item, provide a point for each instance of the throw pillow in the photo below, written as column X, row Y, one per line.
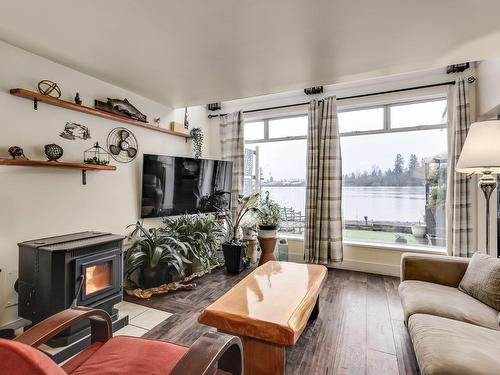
column 482, row 280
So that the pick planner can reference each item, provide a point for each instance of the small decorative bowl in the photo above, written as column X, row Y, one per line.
column 53, row 152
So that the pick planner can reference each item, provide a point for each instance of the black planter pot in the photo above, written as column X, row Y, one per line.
column 268, row 227
column 234, row 257
column 151, row 278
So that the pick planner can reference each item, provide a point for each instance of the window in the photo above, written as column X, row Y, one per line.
column 277, row 163
column 394, row 162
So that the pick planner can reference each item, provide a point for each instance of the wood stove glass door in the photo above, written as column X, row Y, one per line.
column 101, row 276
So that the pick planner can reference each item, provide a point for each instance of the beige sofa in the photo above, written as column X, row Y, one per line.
column 452, row 332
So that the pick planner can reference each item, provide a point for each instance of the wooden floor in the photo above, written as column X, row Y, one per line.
column 360, row 328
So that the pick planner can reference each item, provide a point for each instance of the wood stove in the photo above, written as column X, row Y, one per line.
column 82, row 269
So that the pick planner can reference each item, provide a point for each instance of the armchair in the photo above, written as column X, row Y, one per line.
column 212, row 353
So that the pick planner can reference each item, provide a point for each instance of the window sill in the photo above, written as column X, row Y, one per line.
column 401, row 248
column 375, row 245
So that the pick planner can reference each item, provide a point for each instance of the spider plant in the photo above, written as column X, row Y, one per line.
column 150, row 250
column 202, row 233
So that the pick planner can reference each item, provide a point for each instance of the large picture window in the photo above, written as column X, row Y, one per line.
column 394, row 163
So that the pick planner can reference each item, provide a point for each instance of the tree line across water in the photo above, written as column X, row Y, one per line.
column 400, row 175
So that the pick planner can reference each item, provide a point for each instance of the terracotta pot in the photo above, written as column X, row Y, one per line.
column 267, row 245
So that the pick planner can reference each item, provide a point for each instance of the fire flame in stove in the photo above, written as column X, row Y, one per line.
column 97, row 277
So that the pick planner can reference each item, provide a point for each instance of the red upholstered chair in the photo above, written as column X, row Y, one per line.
column 212, row 353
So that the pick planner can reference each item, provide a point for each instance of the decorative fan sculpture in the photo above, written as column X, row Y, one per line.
column 122, row 145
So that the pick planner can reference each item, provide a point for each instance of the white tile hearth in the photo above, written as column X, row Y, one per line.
column 130, row 330
column 149, row 318
column 130, row 309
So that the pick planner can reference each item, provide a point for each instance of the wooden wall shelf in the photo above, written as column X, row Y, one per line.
column 58, row 164
column 37, row 97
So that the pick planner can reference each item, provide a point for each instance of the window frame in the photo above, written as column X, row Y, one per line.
column 387, row 129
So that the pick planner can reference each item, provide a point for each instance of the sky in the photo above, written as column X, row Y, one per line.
column 287, row 159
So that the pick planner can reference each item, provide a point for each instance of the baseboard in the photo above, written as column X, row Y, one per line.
column 370, row 267
column 355, row 265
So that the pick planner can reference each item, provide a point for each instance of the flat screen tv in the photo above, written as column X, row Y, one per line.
column 176, row 185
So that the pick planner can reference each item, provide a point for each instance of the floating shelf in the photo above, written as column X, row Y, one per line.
column 37, row 97
column 58, row 164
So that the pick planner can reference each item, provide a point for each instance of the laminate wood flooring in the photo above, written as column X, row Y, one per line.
column 359, row 330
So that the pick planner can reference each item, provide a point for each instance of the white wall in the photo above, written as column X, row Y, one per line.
column 488, row 105
column 38, row 202
column 489, row 88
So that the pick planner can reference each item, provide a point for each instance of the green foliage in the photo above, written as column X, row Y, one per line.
column 149, row 248
column 246, row 204
column 202, row 233
column 438, row 197
column 399, row 176
column 197, row 135
column 412, row 164
column 269, row 212
column 399, row 164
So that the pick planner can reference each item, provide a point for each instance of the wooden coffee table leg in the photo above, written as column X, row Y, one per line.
column 315, row 311
column 263, row 358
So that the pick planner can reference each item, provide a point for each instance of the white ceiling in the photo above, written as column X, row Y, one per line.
column 187, row 52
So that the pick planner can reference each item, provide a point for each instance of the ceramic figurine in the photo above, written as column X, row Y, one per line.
column 53, row 152
column 77, row 99
column 17, row 153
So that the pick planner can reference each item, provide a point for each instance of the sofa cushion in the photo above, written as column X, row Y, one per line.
column 448, row 347
column 132, row 355
column 420, row 297
column 482, row 280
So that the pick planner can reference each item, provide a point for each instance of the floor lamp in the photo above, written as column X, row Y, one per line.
column 481, row 155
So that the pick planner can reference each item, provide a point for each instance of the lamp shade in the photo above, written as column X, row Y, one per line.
column 481, row 150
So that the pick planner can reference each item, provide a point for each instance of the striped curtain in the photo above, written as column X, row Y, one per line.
column 460, row 240
column 323, row 228
column 233, row 149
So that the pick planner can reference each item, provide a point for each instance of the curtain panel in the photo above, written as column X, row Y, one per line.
column 460, row 210
column 323, row 228
column 233, row 149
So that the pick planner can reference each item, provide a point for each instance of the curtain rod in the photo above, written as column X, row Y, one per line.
column 470, row 80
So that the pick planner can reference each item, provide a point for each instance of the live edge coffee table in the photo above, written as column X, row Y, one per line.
column 268, row 310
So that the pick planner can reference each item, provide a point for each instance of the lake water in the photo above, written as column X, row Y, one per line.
column 379, row 203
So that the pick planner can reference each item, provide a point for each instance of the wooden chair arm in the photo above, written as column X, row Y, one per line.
column 212, row 351
column 100, row 326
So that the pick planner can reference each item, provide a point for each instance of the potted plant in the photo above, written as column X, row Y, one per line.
column 419, row 230
column 153, row 253
column 202, row 233
column 235, row 248
column 269, row 213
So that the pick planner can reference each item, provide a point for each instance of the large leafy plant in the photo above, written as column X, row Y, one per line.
column 269, row 212
column 202, row 233
column 246, row 204
column 150, row 248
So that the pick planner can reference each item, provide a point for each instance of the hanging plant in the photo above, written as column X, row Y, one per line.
column 197, row 135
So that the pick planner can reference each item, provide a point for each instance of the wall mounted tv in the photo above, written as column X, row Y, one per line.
column 176, row 185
